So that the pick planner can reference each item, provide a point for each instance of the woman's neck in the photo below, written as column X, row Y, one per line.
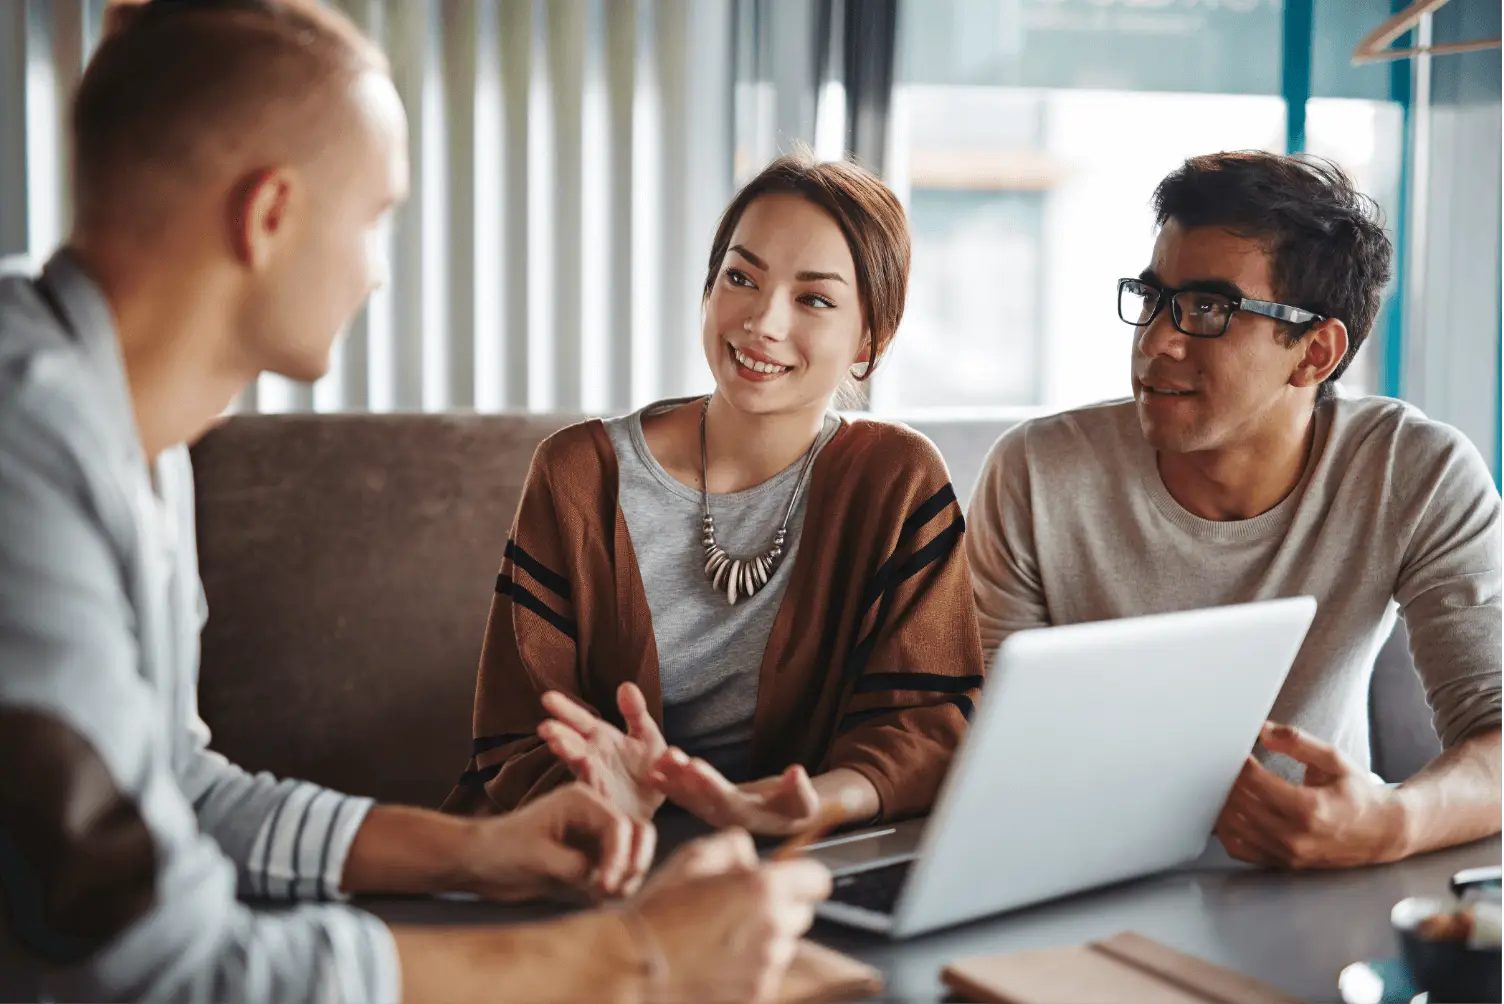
column 744, row 449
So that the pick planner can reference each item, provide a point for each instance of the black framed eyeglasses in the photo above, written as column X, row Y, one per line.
column 1195, row 312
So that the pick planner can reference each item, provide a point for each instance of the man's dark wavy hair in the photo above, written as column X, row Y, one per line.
column 1330, row 253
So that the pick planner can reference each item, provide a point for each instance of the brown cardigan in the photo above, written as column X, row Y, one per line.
column 873, row 663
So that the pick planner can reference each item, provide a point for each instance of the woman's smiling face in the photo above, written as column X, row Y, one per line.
column 784, row 321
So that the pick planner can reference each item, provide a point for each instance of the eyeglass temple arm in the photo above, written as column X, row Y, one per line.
column 1279, row 311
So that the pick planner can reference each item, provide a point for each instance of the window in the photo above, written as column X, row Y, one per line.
column 1028, row 137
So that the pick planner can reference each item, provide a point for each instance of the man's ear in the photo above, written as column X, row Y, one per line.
column 260, row 216
column 1322, row 350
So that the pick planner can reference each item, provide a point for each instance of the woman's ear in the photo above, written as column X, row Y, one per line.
column 862, row 364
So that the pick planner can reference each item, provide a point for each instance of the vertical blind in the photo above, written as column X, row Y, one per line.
column 569, row 161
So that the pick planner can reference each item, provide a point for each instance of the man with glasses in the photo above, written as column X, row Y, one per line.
column 1237, row 473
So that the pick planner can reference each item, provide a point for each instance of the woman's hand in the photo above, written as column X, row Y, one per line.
column 618, row 765
column 774, row 806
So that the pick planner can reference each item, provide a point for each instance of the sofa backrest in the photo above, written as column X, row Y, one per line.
column 349, row 563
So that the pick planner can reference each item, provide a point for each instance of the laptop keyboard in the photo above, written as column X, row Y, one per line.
column 876, row 889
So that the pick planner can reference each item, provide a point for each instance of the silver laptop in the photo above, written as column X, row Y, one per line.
column 1099, row 752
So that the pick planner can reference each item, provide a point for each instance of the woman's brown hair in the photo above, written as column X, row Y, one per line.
column 870, row 217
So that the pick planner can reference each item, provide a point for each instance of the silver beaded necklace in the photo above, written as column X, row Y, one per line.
column 739, row 577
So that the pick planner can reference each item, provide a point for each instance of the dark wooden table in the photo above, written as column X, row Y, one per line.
column 1294, row 931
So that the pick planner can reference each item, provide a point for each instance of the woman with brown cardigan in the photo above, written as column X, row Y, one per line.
column 743, row 603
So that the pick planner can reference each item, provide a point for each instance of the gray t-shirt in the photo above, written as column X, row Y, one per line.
column 709, row 651
column 1070, row 522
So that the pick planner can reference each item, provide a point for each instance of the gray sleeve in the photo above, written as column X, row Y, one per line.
column 1448, row 586
column 288, row 839
column 109, row 888
column 1006, row 585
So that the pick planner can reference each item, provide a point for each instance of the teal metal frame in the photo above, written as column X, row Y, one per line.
column 1295, row 88
column 1295, row 69
column 1392, row 347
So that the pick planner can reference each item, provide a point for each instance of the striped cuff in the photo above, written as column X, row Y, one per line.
column 300, row 851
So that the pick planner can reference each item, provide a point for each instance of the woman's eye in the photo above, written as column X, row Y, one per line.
column 739, row 278
column 816, row 300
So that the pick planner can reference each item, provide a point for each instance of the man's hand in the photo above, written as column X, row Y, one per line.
column 570, row 838
column 774, row 806
column 713, row 926
column 1340, row 817
column 726, row 926
column 617, row 765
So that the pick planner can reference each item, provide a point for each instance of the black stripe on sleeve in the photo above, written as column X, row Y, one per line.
column 931, row 508
column 944, row 542
column 481, row 744
column 547, row 577
column 932, row 682
column 520, row 595
column 856, row 718
column 928, row 510
column 478, row 778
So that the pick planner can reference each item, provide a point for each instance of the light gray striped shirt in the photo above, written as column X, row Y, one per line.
column 100, row 613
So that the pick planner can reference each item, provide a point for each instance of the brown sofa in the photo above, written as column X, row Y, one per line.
column 349, row 563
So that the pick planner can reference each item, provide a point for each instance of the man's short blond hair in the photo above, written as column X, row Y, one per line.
column 177, row 88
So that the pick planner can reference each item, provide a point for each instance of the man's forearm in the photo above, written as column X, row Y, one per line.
column 1455, row 798
column 405, row 850
column 590, row 956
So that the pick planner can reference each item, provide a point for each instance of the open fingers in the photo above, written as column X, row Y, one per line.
column 689, row 787
column 697, row 774
column 569, row 711
column 640, row 724
column 568, row 745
